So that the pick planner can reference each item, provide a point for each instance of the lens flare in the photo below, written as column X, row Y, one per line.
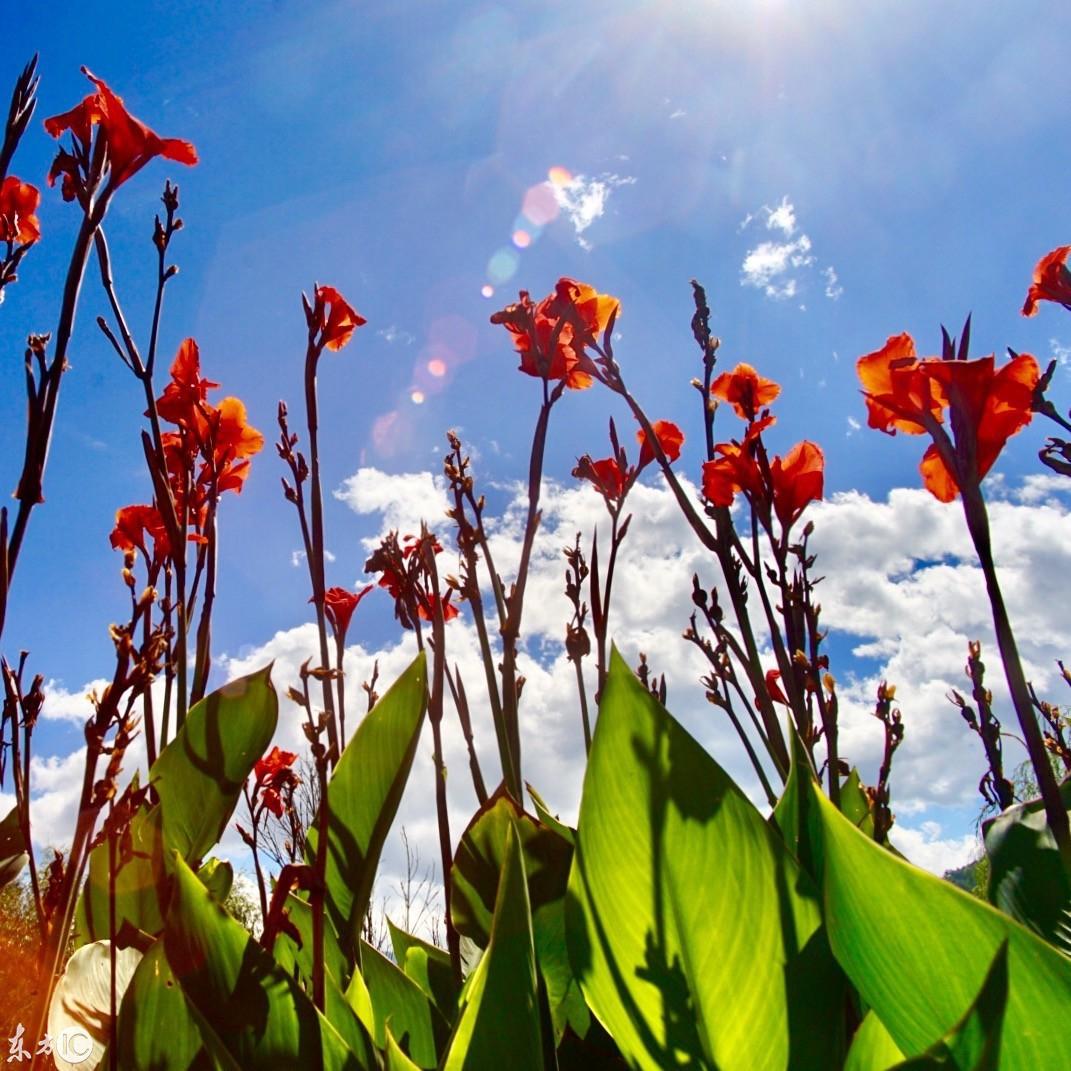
column 559, row 176
column 437, row 366
column 417, row 397
column 540, row 206
column 487, row 290
column 502, row 265
column 521, row 238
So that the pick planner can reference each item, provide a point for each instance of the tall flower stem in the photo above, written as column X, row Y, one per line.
column 1056, row 815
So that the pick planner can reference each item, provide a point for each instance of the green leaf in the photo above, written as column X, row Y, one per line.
column 217, row 876
column 158, row 1031
column 872, row 1047
column 973, row 1044
column 200, row 774
column 499, row 1026
column 567, row 833
column 13, row 855
column 398, row 1001
column 1027, row 878
column 694, row 933
column 396, row 1058
column 140, row 882
column 917, row 949
column 474, row 879
column 256, row 1010
column 429, row 967
column 362, row 800
column 854, row 804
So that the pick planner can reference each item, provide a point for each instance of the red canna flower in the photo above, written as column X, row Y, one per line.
column 449, row 610
column 232, row 436
column 133, row 524
column 669, row 437
column 1052, row 281
column 272, row 775
column 745, row 390
column 986, row 405
column 340, row 321
column 339, row 604
column 19, row 224
column 604, row 475
column 735, row 470
column 772, row 677
column 551, row 337
column 130, row 143
column 187, row 390
column 797, row 480
column 899, row 396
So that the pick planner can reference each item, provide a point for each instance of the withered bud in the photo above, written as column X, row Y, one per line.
column 830, row 682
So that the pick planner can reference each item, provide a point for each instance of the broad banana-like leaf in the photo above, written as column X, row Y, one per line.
column 13, row 849
column 254, row 1009
column 918, row 949
column 1027, row 877
column 498, row 1024
column 872, row 1047
column 429, row 967
column 362, row 800
column 697, row 938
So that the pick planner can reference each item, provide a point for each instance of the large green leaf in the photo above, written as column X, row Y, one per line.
column 13, row 851
column 917, row 948
column 429, row 967
column 872, row 1047
column 1027, row 877
column 498, row 1025
column 474, row 879
column 158, row 1031
column 398, row 1001
column 200, row 774
column 140, row 882
column 697, row 938
column 362, row 800
column 255, row 1009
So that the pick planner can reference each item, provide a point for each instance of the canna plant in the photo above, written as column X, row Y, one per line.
column 677, row 924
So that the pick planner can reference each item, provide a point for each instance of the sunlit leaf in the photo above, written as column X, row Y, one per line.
column 697, row 938
column 918, row 949
column 872, row 1047
column 429, row 967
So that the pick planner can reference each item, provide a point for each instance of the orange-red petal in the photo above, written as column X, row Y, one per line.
column 1052, row 281
column 745, row 390
column 669, row 437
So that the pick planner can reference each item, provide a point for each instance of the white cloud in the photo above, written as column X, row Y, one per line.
column 392, row 333
column 853, row 425
column 1061, row 352
column 583, row 200
column 925, row 847
column 901, row 587
column 833, row 288
column 782, row 218
column 298, row 557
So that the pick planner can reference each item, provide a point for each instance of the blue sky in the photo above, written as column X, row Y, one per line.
column 910, row 157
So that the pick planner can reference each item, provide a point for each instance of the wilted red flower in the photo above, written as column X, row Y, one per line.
column 604, row 475
column 797, row 480
column 19, row 224
column 339, row 604
column 130, row 143
column 551, row 337
column 987, row 406
column 272, row 774
column 669, row 437
column 340, row 321
column 133, row 524
column 745, row 390
column 187, row 390
column 449, row 610
column 1052, row 281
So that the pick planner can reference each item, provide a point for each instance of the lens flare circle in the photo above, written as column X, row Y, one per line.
column 502, row 265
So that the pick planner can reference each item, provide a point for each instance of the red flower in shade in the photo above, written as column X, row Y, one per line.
column 18, row 206
column 334, row 318
column 133, row 524
column 272, row 774
column 450, row 611
column 187, row 390
column 899, row 396
column 551, row 337
column 745, row 390
column 1052, row 281
column 772, row 677
column 986, row 405
column 669, row 437
column 797, row 480
column 130, row 143
column 604, row 475
column 339, row 604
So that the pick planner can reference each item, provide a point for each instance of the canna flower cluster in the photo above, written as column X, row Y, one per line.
column 274, row 778
column 783, row 485
column 206, row 454
column 986, row 406
column 613, row 476
column 1052, row 281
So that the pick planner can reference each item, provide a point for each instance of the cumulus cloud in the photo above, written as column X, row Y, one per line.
column 778, row 266
column 902, row 594
column 583, row 200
